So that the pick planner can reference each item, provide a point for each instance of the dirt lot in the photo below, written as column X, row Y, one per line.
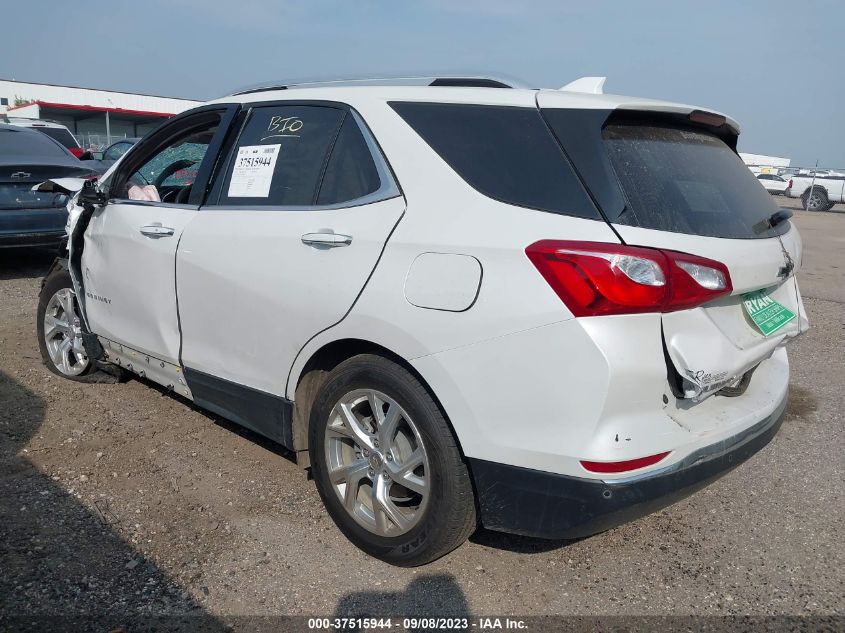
column 120, row 501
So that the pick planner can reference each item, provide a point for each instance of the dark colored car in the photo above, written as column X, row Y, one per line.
column 27, row 158
column 101, row 161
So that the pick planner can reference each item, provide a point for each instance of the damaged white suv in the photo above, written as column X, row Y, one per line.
column 543, row 311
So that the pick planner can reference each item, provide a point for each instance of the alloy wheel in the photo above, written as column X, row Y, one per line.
column 377, row 462
column 63, row 334
column 814, row 203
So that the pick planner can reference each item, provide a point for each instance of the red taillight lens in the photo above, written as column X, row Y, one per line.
column 76, row 151
column 623, row 467
column 595, row 278
column 789, row 184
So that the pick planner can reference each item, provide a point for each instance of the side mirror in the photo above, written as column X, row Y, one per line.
column 90, row 195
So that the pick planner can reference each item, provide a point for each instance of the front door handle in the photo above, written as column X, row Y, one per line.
column 157, row 230
column 328, row 240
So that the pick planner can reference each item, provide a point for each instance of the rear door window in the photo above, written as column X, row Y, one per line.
column 351, row 172
column 281, row 155
column 505, row 153
column 687, row 180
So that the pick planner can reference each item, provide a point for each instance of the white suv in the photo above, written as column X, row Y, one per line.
column 542, row 311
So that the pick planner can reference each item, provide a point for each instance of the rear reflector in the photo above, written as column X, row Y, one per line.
column 597, row 278
column 622, row 467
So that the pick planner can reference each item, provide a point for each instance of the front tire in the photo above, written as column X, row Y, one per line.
column 58, row 328
column 387, row 465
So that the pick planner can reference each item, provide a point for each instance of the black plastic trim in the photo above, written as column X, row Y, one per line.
column 547, row 505
column 259, row 411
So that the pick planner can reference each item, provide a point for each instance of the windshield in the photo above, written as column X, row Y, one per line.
column 687, row 180
column 23, row 142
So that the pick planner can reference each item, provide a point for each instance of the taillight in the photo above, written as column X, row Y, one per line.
column 789, row 184
column 76, row 151
column 597, row 278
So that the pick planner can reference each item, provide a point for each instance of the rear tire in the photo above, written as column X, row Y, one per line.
column 373, row 428
column 817, row 201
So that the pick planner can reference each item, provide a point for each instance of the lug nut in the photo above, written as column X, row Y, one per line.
column 389, row 457
column 366, row 452
column 385, row 476
column 371, row 472
column 375, row 443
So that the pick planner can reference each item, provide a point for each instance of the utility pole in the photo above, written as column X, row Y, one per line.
column 812, row 184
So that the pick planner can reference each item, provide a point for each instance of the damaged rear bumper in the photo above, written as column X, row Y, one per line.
column 547, row 505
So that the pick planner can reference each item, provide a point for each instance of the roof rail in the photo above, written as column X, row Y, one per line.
column 463, row 81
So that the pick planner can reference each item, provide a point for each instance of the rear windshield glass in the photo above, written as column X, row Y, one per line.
column 505, row 153
column 23, row 142
column 687, row 181
column 61, row 135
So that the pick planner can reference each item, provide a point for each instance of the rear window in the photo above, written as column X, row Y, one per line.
column 62, row 135
column 505, row 153
column 23, row 142
column 687, row 181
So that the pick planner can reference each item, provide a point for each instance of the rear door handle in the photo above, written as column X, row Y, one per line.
column 329, row 240
column 157, row 230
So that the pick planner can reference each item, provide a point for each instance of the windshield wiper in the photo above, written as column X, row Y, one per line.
column 778, row 217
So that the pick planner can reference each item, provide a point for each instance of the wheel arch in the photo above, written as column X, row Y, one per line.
column 814, row 187
column 317, row 368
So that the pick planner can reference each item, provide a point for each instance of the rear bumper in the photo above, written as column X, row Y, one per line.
column 49, row 238
column 547, row 505
column 32, row 227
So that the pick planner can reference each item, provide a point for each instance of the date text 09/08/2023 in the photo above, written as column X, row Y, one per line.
column 479, row 624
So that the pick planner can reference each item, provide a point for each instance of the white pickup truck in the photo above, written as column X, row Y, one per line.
column 826, row 191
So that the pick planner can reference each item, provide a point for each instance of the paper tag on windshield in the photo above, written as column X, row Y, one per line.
column 768, row 315
column 253, row 171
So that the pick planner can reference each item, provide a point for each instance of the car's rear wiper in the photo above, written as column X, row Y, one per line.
column 778, row 217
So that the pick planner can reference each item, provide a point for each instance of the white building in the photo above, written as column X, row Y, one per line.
column 760, row 163
column 96, row 117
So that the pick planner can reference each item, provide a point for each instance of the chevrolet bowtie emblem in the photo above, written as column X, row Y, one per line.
column 21, row 174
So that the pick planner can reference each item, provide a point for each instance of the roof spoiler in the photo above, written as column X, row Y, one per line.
column 589, row 85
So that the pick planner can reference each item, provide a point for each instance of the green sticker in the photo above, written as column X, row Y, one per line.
column 768, row 315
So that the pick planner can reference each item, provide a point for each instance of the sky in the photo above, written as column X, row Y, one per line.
column 777, row 67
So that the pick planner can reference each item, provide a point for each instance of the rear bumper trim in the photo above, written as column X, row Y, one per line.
column 547, row 505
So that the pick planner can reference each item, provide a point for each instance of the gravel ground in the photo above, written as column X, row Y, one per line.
column 121, row 501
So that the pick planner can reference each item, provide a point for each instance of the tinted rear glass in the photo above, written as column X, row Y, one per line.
column 687, row 181
column 351, row 172
column 506, row 153
column 61, row 135
column 23, row 142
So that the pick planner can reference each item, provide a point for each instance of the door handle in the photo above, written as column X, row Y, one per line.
column 328, row 240
column 157, row 230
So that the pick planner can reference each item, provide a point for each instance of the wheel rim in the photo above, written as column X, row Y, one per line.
column 377, row 462
column 815, row 201
column 63, row 335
